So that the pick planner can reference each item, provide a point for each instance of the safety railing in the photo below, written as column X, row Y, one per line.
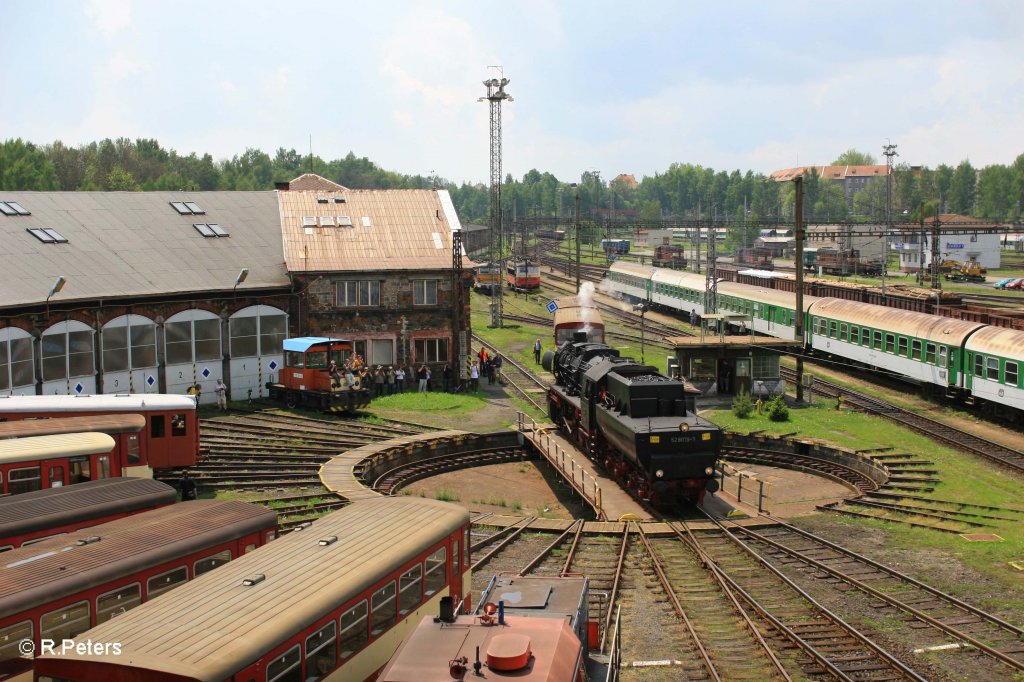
column 573, row 473
column 742, row 484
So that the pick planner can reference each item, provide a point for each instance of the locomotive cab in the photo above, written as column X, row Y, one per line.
column 306, row 378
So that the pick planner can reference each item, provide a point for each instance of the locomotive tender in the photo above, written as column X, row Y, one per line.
column 634, row 421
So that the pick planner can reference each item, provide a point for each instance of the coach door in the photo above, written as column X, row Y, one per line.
column 455, row 574
column 53, row 474
column 80, row 469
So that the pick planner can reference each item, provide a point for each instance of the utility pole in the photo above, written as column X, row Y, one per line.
column 460, row 328
column 798, row 314
column 577, row 238
column 889, row 151
column 711, row 280
column 495, row 96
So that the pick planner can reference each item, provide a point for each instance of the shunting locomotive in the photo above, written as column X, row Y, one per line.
column 639, row 424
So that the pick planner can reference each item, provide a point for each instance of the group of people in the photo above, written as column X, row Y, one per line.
column 390, row 379
column 488, row 366
column 220, row 389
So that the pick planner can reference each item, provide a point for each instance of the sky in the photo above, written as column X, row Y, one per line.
column 612, row 87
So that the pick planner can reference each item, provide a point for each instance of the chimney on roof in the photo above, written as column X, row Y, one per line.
column 281, row 186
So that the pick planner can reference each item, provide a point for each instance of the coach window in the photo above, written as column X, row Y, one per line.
column 843, row 332
column 929, row 353
column 178, row 425
column 942, row 357
column 65, row 623
column 110, row 604
column 455, row 558
column 424, row 292
column 159, row 584
column 877, row 341
column 903, row 346
column 157, row 427
column 353, row 629
column 56, row 477
column 250, row 547
column 410, row 589
column 890, row 343
column 103, row 467
column 979, row 365
column 11, row 636
column 23, row 480
column 321, row 648
column 286, row 667
column 211, row 562
column 915, row 349
column 435, row 571
column 1010, row 374
column 80, row 470
column 465, row 543
column 832, row 329
column 133, row 449
column 383, row 610
column 992, row 364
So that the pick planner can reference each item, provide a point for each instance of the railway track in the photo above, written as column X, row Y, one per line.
column 953, row 623
column 936, row 430
column 519, row 377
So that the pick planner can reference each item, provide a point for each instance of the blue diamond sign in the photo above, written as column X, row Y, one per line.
column 150, row 380
column 79, row 388
column 273, row 364
column 205, row 373
column 552, row 307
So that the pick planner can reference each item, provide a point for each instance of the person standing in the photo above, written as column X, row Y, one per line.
column 222, row 395
column 391, row 380
column 446, row 377
column 536, row 351
column 195, row 390
column 400, row 379
column 378, row 381
column 421, row 374
column 474, row 375
column 188, row 487
column 498, row 362
column 693, row 317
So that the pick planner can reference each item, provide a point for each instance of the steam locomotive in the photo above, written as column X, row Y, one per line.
column 638, row 424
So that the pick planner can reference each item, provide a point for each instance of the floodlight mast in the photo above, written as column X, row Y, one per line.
column 495, row 96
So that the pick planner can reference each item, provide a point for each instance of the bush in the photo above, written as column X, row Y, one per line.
column 742, row 405
column 776, row 409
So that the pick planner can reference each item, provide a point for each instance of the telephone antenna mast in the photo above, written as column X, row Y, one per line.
column 495, row 96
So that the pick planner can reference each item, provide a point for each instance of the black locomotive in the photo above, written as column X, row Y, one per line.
column 637, row 423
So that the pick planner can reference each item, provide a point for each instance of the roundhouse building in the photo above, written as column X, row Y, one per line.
column 152, row 292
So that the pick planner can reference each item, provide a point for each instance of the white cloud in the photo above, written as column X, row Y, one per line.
column 110, row 16
column 121, row 65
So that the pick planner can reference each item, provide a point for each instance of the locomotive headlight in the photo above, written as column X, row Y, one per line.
column 709, row 470
column 660, row 473
column 684, row 427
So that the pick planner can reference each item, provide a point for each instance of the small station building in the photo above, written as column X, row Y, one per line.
column 724, row 359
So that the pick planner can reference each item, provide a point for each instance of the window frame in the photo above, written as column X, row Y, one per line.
column 423, row 290
column 343, row 628
column 150, row 594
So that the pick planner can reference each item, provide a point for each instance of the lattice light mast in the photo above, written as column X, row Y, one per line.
column 889, row 151
column 711, row 280
column 495, row 96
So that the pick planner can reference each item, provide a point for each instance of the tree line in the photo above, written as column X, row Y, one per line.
column 682, row 191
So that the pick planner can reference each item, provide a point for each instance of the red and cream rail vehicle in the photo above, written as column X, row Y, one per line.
column 29, row 518
column 573, row 315
column 527, row 628
column 332, row 602
column 522, row 275
column 306, row 381
column 486, row 277
column 41, row 462
column 169, row 439
column 59, row 588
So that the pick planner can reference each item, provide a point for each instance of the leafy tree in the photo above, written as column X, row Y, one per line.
column 960, row 198
column 742, row 405
column 69, row 163
column 120, row 180
column 651, row 211
column 776, row 409
column 24, row 166
column 852, row 157
column 995, row 192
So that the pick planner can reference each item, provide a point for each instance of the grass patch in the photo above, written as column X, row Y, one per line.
column 449, row 403
column 446, row 495
column 963, row 478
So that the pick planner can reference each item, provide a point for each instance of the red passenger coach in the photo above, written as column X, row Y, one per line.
column 39, row 462
column 305, row 379
column 572, row 316
column 59, row 588
column 332, row 602
column 29, row 518
column 125, row 429
column 169, row 439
